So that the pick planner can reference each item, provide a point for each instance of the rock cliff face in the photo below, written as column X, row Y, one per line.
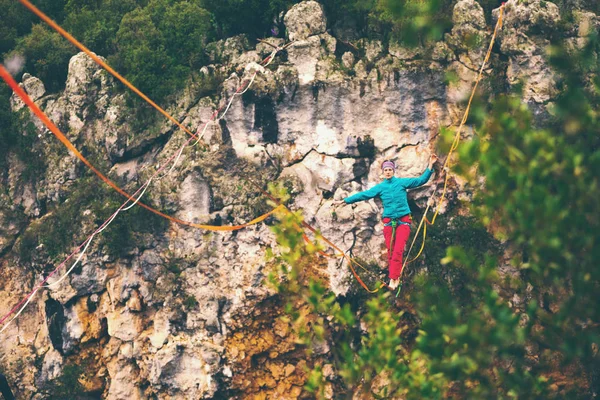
column 182, row 313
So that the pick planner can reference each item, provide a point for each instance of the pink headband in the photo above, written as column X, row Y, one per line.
column 388, row 164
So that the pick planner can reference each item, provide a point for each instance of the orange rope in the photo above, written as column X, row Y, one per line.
column 338, row 255
column 348, row 258
column 60, row 136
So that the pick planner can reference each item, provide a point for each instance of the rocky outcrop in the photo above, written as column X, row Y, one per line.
column 305, row 19
column 185, row 313
column 525, row 39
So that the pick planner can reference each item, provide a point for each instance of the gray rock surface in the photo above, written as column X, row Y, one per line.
column 305, row 19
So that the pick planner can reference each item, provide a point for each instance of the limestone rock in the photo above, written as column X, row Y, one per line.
column 468, row 13
column 304, row 55
column 328, row 42
column 185, row 371
column 226, row 50
column 441, row 52
column 51, row 367
column 530, row 15
column 321, row 128
column 194, row 198
column 360, row 70
column 265, row 49
column 135, row 301
column 404, row 53
column 84, row 79
column 372, row 48
column 91, row 279
column 210, row 313
column 150, row 265
column 124, row 324
column 523, row 38
column 123, row 378
column 469, row 33
column 74, row 329
column 587, row 23
column 348, row 60
column 305, row 19
column 8, row 230
column 22, row 192
column 161, row 329
column 33, row 86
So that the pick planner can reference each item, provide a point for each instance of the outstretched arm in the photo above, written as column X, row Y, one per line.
column 360, row 196
column 421, row 180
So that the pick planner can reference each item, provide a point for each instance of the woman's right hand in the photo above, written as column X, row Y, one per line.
column 338, row 203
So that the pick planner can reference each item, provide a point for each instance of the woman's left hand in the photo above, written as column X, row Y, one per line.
column 432, row 160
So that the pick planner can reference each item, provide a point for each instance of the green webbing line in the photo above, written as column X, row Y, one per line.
column 399, row 289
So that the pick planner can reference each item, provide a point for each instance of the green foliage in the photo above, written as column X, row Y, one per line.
column 254, row 17
column 174, row 266
column 190, row 302
column 127, row 230
column 157, row 45
column 466, row 232
column 18, row 135
column 143, row 55
column 185, row 26
column 416, row 21
column 408, row 22
column 15, row 22
column 7, row 127
column 541, row 199
column 46, row 55
column 542, row 192
column 471, row 343
column 96, row 23
column 362, row 352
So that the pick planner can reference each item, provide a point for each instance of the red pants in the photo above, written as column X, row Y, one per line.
column 395, row 254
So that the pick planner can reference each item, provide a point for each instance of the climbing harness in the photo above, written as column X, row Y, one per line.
column 424, row 220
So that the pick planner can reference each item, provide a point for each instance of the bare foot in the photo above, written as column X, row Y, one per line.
column 394, row 283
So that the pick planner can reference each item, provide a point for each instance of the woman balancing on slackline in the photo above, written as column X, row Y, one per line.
column 396, row 213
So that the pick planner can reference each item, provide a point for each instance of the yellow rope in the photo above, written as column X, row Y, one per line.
column 453, row 147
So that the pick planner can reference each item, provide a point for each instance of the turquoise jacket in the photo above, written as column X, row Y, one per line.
column 392, row 193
